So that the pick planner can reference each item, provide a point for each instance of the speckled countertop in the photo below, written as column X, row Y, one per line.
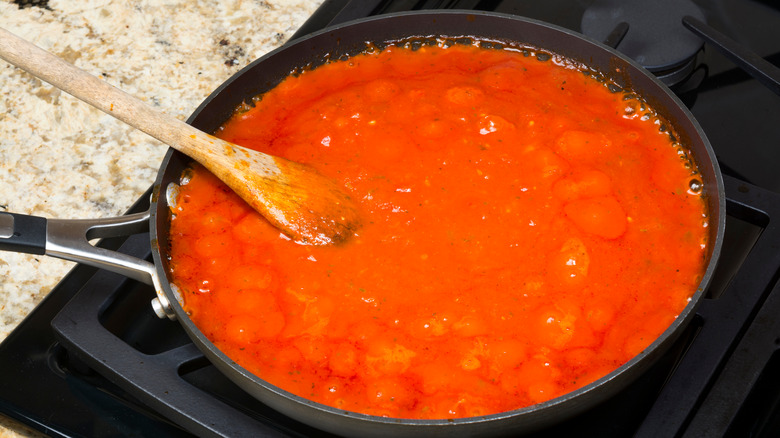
column 62, row 158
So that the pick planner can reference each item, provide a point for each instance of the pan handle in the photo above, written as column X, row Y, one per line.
column 68, row 239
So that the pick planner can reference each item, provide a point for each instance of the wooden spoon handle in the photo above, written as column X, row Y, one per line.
column 111, row 100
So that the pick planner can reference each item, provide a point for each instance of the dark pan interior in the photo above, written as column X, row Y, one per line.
column 350, row 38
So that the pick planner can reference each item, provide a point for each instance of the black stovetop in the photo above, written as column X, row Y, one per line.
column 721, row 379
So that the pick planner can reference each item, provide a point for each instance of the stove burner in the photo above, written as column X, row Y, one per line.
column 656, row 37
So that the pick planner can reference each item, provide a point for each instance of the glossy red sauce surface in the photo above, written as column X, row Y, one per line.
column 526, row 231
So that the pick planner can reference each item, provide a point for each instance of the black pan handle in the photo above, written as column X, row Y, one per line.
column 22, row 233
column 69, row 239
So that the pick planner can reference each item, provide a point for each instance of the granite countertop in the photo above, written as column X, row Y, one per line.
column 61, row 158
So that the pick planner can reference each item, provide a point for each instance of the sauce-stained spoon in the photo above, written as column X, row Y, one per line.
column 303, row 204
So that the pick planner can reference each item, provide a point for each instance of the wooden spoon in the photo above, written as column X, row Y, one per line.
column 303, row 204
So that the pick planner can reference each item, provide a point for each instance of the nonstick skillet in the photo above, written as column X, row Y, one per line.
column 69, row 239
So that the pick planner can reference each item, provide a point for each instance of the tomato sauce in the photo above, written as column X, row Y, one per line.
column 526, row 231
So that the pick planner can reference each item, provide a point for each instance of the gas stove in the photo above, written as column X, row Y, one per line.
column 93, row 360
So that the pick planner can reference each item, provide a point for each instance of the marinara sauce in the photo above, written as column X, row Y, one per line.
column 526, row 231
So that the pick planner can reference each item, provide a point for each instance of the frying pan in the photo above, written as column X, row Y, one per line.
column 68, row 239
